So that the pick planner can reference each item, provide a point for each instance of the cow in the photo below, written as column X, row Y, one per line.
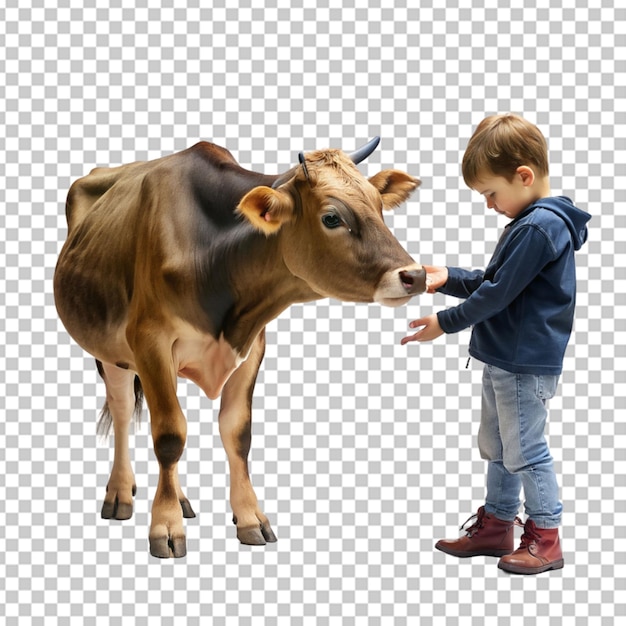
column 173, row 268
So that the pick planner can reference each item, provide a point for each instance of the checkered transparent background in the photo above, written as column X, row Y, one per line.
column 363, row 451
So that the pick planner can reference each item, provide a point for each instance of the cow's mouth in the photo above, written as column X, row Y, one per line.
column 394, row 302
column 399, row 286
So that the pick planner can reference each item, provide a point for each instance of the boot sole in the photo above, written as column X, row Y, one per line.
column 466, row 555
column 514, row 569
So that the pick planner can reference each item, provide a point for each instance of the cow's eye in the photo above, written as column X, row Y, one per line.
column 331, row 220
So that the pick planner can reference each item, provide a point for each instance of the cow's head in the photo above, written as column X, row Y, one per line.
column 332, row 233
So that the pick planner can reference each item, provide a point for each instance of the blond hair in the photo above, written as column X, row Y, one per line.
column 502, row 143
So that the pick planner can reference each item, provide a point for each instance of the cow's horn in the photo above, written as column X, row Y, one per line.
column 362, row 153
column 304, row 167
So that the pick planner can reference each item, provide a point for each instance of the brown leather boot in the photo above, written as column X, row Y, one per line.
column 487, row 536
column 540, row 550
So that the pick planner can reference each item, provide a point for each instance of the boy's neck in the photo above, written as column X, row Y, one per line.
column 541, row 188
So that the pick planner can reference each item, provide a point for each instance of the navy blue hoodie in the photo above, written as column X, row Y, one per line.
column 522, row 305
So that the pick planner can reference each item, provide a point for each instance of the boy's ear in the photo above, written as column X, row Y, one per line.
column 526, row 174
column 394, row 186
column 266, row 209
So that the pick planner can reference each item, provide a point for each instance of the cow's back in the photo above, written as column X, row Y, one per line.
column 199, row 170
column 88, row 190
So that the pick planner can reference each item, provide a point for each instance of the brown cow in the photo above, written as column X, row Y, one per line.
column 173, row 267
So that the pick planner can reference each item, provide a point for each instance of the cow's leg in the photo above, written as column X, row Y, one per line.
column 169, row 433
column 118, row 502
column 235, row 421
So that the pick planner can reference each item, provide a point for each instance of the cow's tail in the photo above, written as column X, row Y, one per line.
column 105, row 421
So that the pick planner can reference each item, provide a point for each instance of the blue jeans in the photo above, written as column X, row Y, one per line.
column 511, row 437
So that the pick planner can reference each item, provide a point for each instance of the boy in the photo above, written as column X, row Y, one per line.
column 521, row 308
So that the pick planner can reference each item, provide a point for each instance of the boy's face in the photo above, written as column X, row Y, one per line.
column 507, row 198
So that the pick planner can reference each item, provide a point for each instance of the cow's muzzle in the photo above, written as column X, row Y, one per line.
column 413, row 281
column 398, row 286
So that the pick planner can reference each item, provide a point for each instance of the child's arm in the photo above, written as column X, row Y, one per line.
column 462, row 283
column 453, row 281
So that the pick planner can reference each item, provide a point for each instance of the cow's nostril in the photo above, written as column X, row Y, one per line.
column 414, row 281
column 407, row 279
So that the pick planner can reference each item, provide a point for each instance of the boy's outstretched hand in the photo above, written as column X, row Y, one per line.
column 431, row 329
column 436, row 277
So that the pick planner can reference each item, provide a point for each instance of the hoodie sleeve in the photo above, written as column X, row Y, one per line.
column 526, row 252
column 462, row 283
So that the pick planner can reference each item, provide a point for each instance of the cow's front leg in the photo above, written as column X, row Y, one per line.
column 167, row 533
column 169, row 433
column 235, row 422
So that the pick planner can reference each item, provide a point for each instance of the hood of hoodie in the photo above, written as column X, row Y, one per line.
column 576, row 219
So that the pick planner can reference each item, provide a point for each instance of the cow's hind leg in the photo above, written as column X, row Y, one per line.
column 123, row 399
column 235, row 421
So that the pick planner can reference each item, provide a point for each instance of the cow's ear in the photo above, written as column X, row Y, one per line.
column 394, row 186
column 266, row 209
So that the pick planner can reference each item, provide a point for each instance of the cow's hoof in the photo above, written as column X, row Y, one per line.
column 268, row 533
column 256, row 535
column 187, row 510
column 118, row 502
column 168, row 547
column 117, row 510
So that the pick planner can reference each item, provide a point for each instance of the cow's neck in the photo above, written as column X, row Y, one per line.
column 260, row 287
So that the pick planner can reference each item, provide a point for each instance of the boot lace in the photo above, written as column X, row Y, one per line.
column 529, row 536
column 477, row 525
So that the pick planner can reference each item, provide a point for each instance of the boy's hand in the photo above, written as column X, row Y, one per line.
column 431, row 329
column 436, row 277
